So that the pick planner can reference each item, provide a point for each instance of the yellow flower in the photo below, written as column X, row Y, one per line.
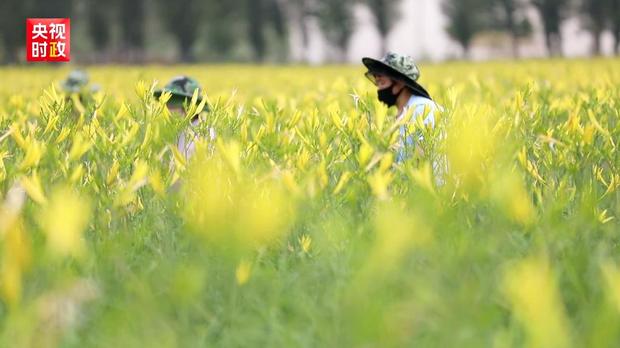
column 79, row 147
column 423, row 177
column 138, row 178
column 64, row 133
column 508, row 191
column 16, row 258
column 231, row 152
column 379, row 184
column 33, row 187
column 113, row 172
column 611, row 275
column 157, row 184
column 536, row 303
column 305, row 242
column 386, row 162
column 234, row 211
column 471, row 143
column 33, row 155
column 243, row 272
column 16, row 246
column 63, row 220
column 17, row 136
column 77, row 173
column 344, row 179
column 365, row 153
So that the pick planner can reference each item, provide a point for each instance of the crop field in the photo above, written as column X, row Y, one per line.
column 293, row 225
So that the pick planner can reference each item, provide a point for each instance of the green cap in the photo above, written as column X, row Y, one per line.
column 181, row 87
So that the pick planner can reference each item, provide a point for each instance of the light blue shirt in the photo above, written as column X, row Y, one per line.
column 422, row 107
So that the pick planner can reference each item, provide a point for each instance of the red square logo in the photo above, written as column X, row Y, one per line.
column 48, row 39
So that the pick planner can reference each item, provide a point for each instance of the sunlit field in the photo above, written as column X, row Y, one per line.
column 294, row 226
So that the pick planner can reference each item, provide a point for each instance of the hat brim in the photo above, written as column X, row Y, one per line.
column 181, row 97
column 175, row 95
column 378, row 66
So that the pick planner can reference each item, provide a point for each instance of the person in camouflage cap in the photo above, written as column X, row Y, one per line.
column 396, row 77
column 79, row 95
column 182, row 89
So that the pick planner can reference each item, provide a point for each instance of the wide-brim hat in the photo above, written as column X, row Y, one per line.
column 397, row 66
column 181, row 88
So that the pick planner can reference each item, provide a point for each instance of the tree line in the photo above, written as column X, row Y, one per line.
column 254, row 29
column 467, row 18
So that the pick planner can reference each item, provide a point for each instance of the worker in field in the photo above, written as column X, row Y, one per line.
column 79, row 93
column 396, row 77
column 182, row 89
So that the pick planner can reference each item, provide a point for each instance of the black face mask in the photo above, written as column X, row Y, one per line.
column 387, row 97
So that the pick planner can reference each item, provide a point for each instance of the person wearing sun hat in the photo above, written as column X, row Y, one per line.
column 77, row 82
column 79, row 94
column 182, row 89
column 396, row 77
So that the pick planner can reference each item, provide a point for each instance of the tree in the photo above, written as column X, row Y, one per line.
column 132, row 18
column 614, row 22
column 255, row 17
column 509, row 16
column 224, row 26
column 99, row 15
column 277, row 18
column 336, row 20
column 465, row 20
column 260, row 15
column 51, row 8
column 593, row 14
column 12, row 27
column 552, row 14
column 386, row 15
column 13, row 14
column 182, row 19
column 298, row 12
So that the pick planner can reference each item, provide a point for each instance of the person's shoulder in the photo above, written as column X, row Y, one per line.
column 421, row 103
column 416, row 100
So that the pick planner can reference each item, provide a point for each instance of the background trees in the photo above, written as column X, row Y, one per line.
column 259, row 30
column 465, row 20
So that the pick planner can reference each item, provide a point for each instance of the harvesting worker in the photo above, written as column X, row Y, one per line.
column 182, row 89
column 78, row 91
column 77, row 82
column 396, row 77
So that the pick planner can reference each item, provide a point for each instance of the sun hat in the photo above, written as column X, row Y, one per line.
column 401, row 67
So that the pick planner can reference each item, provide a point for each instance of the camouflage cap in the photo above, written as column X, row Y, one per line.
column 182, row 87
column 397, row 66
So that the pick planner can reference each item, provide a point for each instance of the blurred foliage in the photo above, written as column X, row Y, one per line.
column 295, row 227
